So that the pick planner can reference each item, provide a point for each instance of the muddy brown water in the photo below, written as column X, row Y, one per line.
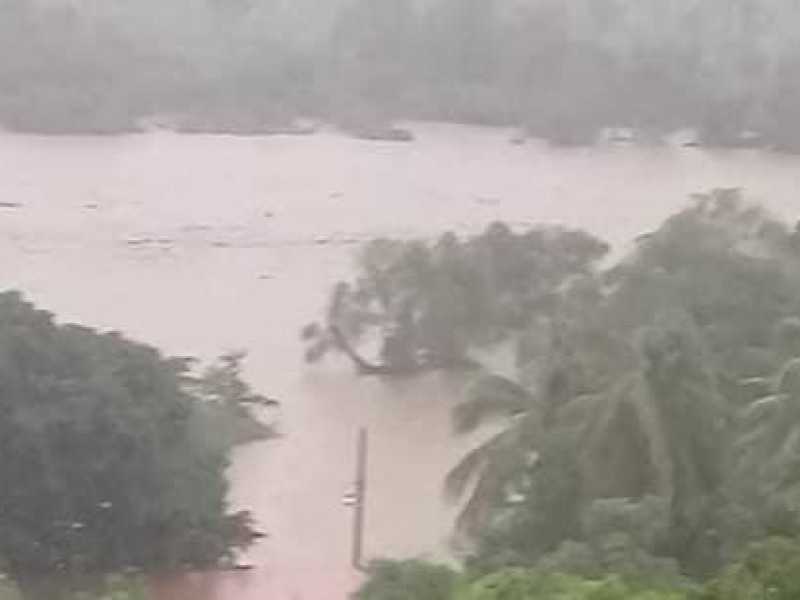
column 202, row 244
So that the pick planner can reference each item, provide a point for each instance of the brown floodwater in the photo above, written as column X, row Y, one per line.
column 202, row 244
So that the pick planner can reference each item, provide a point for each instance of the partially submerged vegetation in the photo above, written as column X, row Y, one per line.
column 226, row 413
column 651, row 431
column 427, row 305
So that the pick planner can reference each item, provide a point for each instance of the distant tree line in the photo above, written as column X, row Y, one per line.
column 559, row 70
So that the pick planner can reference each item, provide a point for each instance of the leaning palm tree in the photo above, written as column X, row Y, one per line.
column 532, row 414
column 661, row 430
column 347, row 319
column 652, row 428
column 492, row 467
column 769, row 445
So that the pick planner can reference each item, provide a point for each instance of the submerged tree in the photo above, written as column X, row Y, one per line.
column 426, row 306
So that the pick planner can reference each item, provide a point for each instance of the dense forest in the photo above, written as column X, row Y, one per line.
column 651, row 433
column 555, row 69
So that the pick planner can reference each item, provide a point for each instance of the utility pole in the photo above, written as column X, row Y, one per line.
column 360, row 497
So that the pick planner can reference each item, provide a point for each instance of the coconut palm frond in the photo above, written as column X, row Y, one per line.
column 752, row 447
column 470, row 467
column 630, row 397
column 757, row 387
column 501, row 453
column 789, row 377
column 491, row 397
column 486, row 496
column 760, row 410
column 493, row 466
column 787, row 451
column 768, row 443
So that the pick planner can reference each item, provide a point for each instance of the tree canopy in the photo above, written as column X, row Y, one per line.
column 429, row 303
column 105, row 456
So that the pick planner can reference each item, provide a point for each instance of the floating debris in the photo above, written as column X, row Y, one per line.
column 138, row 241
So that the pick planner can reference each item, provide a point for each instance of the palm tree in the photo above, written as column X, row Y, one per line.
column 534, row 413
column 649, row 430
column 769, row 446
column 494, row 465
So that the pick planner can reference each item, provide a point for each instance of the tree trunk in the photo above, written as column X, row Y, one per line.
column 362, row 365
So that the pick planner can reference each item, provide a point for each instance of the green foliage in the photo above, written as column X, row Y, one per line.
column 8, row 591
column 407, row 580
column 429, row 304
column 224, row 416
column 621, row 537
column 105, row 470
column 676, row 381
column 108, row 587
column 770, row 570
column 115, row 587
column 768, row 451
column 515, row 584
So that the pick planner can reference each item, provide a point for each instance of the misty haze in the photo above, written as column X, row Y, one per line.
column 400, row 300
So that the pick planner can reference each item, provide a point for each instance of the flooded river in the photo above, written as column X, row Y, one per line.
column 202, row 244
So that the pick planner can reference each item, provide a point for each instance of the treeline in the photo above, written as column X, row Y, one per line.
column 651, row 430
column 559, row 70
